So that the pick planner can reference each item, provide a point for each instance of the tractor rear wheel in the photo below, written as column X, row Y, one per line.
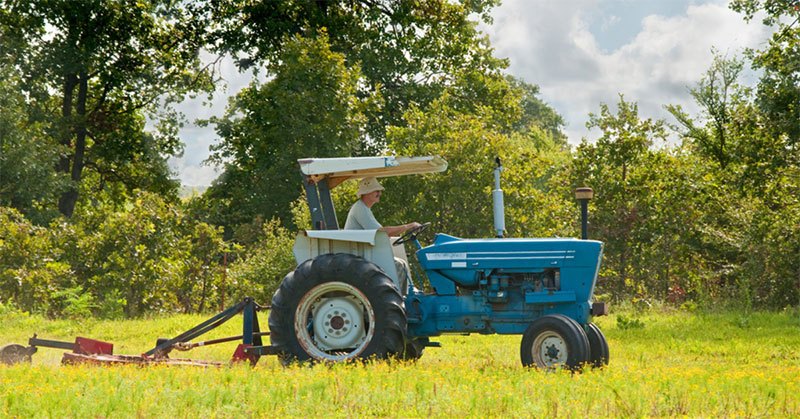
column 598, row 346
column 337, row 307
column 554, row 341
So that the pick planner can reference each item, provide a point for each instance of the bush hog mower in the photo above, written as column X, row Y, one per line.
column 344, row 300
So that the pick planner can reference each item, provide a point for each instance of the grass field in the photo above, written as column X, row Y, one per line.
column 662, row 364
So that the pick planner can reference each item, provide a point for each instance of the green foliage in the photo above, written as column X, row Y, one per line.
column 769, row 271
column 751, row 200
column 470, row 138
column 309, row 109
column 144, row 258
column 29, row 273
column 413, row 50
column 200, row 282
column 259, row 273
column 130, row 251
column 680, row 364
column 76, row 303
column 778, row 89
column 92, row 70
column 537, row 115
column 642, row 208
column 721, row 97
column 770, row 164
column 626, row 323
column 28, row 180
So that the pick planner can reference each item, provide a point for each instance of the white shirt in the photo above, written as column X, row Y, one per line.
column 360, row 218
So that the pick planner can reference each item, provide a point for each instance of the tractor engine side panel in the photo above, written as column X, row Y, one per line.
column 501, row 285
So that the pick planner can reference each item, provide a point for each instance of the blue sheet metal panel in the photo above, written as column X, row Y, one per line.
column 554, row 297
column 431, row 315
column 458, row 260
column 451, row 261
column 435, row 314
column 443, row 242
column 580, row 280
column 441, row 284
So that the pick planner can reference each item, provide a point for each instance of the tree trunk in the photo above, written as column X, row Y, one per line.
column 66, row 204
column 203, row 293
column 63, row 165
column 70, row 81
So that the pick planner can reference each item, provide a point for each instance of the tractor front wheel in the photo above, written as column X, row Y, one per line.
column 598, row 346
column 554, row 341
column 337, row 307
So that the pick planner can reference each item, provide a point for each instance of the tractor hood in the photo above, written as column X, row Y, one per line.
column 338, row 170
column 461, row 260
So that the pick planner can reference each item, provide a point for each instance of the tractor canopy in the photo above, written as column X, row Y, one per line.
column 337, row 170
column 322, row 175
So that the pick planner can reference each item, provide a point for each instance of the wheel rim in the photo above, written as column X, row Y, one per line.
column 549, row 350
column 334, row 321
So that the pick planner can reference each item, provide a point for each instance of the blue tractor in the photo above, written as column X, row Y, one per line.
column 345, row 300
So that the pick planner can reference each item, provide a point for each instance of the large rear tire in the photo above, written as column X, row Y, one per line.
column 337, row 307
column 554, row 341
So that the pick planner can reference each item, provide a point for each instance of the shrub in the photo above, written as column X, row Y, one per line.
column 259, row 273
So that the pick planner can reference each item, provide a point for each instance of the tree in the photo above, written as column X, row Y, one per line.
column 470, row 133
column 718, row 93
column 27, row 156
column 309, row 109
column 618, row 166
column 536, row 114
column 91, row 70
column 778, row 91
column 411, row 49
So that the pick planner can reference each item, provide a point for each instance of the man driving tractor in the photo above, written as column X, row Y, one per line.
column 360, row 217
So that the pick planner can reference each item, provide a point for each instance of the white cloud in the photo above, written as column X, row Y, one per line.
column 194, row 174
column 551, row 45
column 190, row 168
column 609, row 22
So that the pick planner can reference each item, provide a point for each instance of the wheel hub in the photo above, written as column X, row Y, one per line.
column 550, row 350
column 338, row 323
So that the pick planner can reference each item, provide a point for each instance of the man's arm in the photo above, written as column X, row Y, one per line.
column 398, row 230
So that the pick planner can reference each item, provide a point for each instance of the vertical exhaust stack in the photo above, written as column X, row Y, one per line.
column 584, row 195
column 497, row 197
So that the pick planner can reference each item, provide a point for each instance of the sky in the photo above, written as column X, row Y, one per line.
column 580, row 53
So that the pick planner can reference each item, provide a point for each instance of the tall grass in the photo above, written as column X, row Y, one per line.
column 670, row 364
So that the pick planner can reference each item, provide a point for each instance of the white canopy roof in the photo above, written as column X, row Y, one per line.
column 338, row 170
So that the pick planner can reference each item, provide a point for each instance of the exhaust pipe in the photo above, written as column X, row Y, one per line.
column 583, row 195
column 497, row 197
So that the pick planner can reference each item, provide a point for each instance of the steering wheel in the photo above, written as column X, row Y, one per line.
column 411, row 234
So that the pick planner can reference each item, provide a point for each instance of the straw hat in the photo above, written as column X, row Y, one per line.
column 367, row 185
